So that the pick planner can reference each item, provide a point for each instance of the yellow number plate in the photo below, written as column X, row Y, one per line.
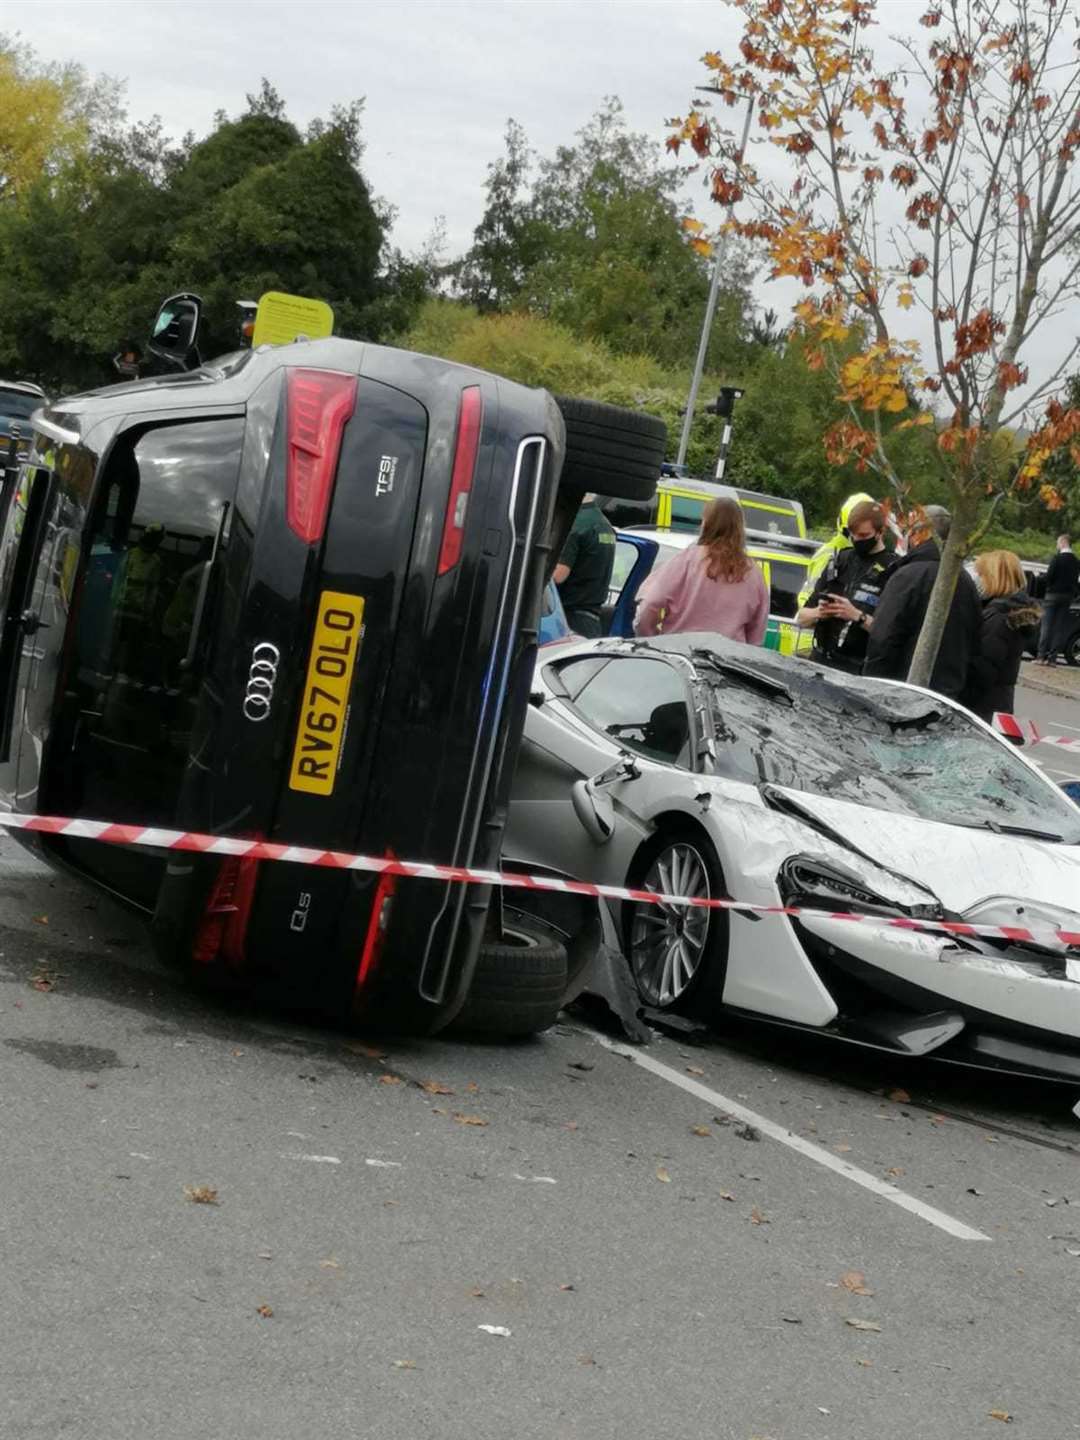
column 325, row 706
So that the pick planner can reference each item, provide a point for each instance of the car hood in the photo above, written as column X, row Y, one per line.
column 962, row 867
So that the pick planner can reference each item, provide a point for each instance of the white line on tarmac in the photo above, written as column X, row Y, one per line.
column 807, row 1148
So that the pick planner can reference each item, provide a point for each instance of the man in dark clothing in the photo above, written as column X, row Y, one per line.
column 1062, row 581
column 842, row 604
column 900, row 615
column 583, row 573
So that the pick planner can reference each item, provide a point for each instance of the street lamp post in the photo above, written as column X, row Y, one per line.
column 710, row 307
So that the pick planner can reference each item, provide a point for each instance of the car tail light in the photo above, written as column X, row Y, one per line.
column 223, row 928
column 319, row 402
column 468, row 442
column 377, row 927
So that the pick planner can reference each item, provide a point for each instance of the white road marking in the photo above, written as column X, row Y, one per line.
column 807, row 1148
column 315, row 1159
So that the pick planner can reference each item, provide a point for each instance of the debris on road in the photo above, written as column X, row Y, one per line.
column 854, row 1281
column 266, row 1311
column 201, row 1194
column 662, row 1175
column 857, row 1324
column 503, row 1330
column 748, row 1132
column 469, row 1119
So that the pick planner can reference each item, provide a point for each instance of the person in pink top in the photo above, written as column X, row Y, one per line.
column 713, row 585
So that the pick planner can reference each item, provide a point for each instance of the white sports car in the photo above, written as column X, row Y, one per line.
column 692, row 765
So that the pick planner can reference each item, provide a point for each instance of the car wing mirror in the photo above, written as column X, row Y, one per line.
column 175, row 335
column 592, row 803
column 595, row 809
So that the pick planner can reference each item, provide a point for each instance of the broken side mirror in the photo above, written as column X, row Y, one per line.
column 176, row 331
column 593, row 806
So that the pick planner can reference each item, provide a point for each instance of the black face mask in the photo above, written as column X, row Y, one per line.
column 863, row 548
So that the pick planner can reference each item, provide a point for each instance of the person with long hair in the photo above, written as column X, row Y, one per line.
column 1010, row 621
column 713, row 585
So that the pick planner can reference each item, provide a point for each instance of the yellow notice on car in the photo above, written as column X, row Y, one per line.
column 281, row 319
column 324, row 707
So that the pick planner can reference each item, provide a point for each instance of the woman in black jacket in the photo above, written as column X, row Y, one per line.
column 1010, row 621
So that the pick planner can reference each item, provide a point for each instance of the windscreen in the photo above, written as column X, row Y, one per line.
column 842, row 741
column 18, row 405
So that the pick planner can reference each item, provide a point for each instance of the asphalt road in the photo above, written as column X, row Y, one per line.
column 1057, row 715
column 662, row 1269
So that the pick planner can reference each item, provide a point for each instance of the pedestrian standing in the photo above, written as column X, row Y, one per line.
column 712, row 585
column 583, row 573
column 843, row 602
column 899, row 618
column 1009, row 623
column 1062, row 583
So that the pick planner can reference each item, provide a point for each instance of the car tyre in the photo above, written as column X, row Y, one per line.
column 1072, row 649
column 519, row 983
column 678, row 955
column 611, row 450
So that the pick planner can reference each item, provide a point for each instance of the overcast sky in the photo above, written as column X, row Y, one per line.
column 440, row 78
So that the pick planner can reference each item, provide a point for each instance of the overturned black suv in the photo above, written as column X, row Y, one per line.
column 293, row 595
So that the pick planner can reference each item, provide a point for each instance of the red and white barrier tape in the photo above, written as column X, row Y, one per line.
column 153, row 836
column 1028, row 733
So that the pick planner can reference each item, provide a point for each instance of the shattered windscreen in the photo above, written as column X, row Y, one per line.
column 895, row 750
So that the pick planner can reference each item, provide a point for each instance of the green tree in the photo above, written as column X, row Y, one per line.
column 591, row 238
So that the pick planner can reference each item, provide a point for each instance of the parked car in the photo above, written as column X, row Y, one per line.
column 783, row 564
column 18, row 401
column 695, row 766
column 294, row 595
column 680, row 502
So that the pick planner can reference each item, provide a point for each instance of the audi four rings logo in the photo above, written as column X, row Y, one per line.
column 262, row 676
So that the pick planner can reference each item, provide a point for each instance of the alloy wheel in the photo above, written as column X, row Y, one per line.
column 668, row 942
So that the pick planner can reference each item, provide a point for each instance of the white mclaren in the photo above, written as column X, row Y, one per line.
column 690, row 765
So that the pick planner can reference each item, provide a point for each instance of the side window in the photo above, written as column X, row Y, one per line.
column 626, row 554
column 641, row 703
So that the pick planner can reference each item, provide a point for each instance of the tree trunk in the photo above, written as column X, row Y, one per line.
column 941, row 597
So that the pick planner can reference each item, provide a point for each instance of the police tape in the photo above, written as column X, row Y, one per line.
column 1028, row 733
column 154, row 837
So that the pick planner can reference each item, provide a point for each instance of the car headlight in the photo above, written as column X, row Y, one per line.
column 811, row 880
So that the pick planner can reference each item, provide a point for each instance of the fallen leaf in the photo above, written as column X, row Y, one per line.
column 757, row 1218
column 266, row 1255
column 864, row 1363
column 43, row 982
column 702, row 1130
column 857, row 1324
column 895, row 1171
column 435, row 1087
column 264, row 1310
column 404, row 1364
column 937, row 1119
column 1000, row 1415
column 237, row 1053
column 899, row 1097
column 694, row 1070
column 476, row 1293
column 567, row 1287
column 329, row 1265
column 662, row 1174
column 841, row 1149
column 726, row 1195
column 495, row 1329
column 570, row 1125
column 41, row 919
column 469, row 1119
column 822, row 1410
column 471, row 1088
column 391, row 1080
column 855, row 1282
column 369, row 1050
column 585, row 1360
column 201, row 1194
